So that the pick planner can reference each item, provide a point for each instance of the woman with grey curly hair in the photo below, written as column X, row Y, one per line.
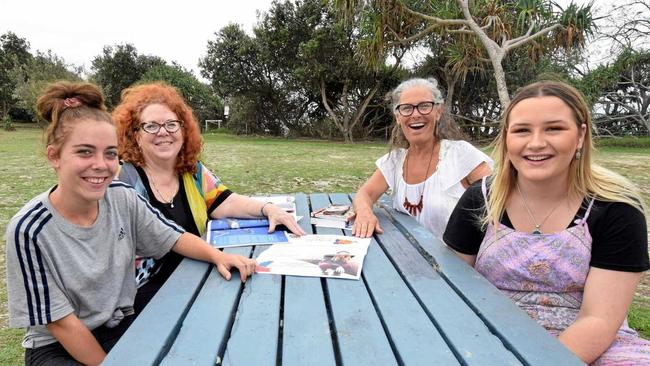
column 428, row 166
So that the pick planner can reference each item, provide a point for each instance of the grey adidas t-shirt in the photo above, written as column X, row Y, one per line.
column 55, row 268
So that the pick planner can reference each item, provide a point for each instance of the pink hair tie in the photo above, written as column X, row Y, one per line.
column 71, row 102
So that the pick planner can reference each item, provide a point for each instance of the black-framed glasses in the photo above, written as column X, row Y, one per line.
column 171, row 125
column 423, row 108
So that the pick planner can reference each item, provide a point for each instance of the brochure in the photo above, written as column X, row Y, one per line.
column 334, row 212
column 233, row 232
column 336, row 224
column 231, row 223
column 224, row 238
column 333, row 216
column 331, row 256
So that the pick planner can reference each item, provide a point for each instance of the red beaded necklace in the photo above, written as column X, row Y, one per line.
column 412, row 208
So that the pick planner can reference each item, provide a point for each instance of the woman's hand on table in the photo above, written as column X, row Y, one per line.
column 365, row 223
column 225, row 262
column 278, row 216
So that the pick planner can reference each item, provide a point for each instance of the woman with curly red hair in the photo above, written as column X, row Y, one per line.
column 160, row 144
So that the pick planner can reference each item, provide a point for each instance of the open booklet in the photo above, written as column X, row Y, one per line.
column 225, row 233
column 233, row 232
column 333, row 256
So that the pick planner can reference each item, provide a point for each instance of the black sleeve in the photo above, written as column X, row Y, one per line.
column 619, row 237
column 222, row 197
column 464, row 233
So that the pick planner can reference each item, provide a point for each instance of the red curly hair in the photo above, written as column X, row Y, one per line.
column 127, row 118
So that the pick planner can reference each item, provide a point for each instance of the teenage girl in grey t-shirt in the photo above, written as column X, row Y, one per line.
column 71, row 250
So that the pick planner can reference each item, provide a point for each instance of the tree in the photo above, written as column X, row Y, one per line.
column 329, row 67
column 41, row 70
column 499, row 26
column 619, row 87
column 14, row 56
column 627, row 26
column 297, row 73
column 471, row 96
column 119, row 67
column 237, row 67
column 205, row 104
column 621, row 94
column 259, row 70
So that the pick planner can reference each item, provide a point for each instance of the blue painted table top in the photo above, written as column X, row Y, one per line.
column 417, row 303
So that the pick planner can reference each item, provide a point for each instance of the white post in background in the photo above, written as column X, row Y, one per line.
column 211, row 121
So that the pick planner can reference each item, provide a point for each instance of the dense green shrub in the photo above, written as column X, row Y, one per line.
column 628, row 141
column 7, row 124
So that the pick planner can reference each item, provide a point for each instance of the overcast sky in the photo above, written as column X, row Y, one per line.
column 174, row 30
column 77, row 30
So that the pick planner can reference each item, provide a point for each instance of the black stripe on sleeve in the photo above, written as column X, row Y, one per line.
column 153, row 210
column 119, row 183
column 39, row 259
column 38, row 214
column 160, row 217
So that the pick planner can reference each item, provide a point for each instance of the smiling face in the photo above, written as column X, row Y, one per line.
column 161, row 147
column 542, row 138
column 418, row 128
column 86, row 162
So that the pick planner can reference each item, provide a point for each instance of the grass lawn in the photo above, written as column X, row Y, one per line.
column 252, row 165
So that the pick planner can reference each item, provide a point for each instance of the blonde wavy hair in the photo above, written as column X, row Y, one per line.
column 585, row 178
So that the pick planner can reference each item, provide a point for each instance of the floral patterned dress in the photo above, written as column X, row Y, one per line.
column 545, row 276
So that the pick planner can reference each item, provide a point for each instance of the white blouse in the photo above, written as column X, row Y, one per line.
column 442, row 190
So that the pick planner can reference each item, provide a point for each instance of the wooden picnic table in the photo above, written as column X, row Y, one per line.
column 417, row 303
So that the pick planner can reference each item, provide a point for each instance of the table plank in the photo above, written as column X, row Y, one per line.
column 203, row 334
column 522, row 335
column 254, row 336
column 411, row 331
column 359, row 335
column 149, row 337
column 306, row 329
column 464, row 330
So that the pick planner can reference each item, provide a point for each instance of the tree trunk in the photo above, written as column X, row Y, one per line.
column 495, row 53
column 329, row 109
column 356, row 117
column 345, row 123
column 502, row 86
column 348, row 137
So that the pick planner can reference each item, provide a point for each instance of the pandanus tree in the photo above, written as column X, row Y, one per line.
column 478, row 34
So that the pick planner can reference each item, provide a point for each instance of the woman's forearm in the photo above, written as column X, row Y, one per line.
column 588, row 337
column 240, row 206
column 77, row 339
column 362, row 202
column 191, row 246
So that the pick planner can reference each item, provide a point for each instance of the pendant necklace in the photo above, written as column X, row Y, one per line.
column 538, row 227
column 169, row 202
column 413, row 209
